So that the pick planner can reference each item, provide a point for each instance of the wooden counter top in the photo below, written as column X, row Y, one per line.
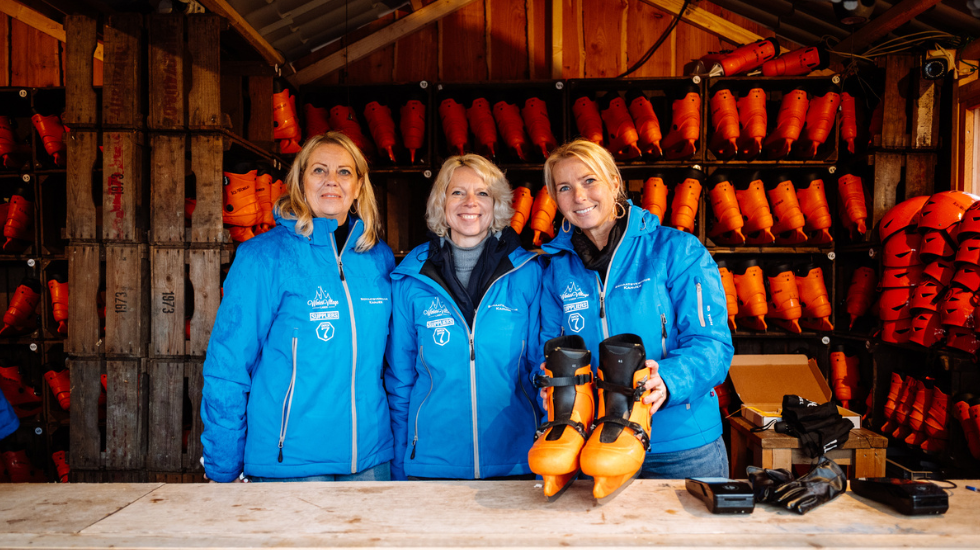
column 445, row 515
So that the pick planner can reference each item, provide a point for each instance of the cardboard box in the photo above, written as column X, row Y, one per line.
column 761, row 381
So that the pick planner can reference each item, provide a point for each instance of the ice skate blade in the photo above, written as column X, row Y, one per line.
column 612, row 495
column 561, row 491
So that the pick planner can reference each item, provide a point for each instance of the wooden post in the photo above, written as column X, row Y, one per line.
column 925, row 112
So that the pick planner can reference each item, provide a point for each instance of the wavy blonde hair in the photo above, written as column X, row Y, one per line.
column 596, row 157
column 500, row 192
column 292, row 204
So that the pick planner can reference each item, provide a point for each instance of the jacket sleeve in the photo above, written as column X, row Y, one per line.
column 240, row 328
column 8, row 419
column 535, row 353
column 704, row 342
column 551, row 317
column 400, row 374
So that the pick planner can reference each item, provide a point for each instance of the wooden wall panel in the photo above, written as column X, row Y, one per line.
column 692, row 44
column 573, row 56
column 43, row 66
column 378, row 66
column 538, row 39
column 644, row 25
column 604, row 37
column 463, row 47
column 4, row 50
column 506, row 22
column 417, row 55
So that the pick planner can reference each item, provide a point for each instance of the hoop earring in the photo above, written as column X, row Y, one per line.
column 619, row 205
column 353, row 208
column 563, row 230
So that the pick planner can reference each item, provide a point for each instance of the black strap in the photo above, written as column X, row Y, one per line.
column 763, row 428
column 634, row 393
column 637, row 429
column 577, row 426
column 549, row 382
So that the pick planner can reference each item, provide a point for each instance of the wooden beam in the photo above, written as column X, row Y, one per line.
column 557, row 58
column 40, row 22
column 707, row 21
column 416, row 5
column 405, row 26
column 224, row 9
column 898, row 15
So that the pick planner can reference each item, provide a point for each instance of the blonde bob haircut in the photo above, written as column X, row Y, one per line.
column 596, row 157
column 500, row 192
column 292, row 205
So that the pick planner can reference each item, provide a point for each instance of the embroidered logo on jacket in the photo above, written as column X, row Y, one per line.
column 573, row 292
column 325, row 331
column 576, row 322
column 322, row 300
column 441, row 336
column 436, row 308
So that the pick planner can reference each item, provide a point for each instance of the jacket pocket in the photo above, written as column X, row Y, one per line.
column 415, row 438
column 520, row 382
column 698, row 290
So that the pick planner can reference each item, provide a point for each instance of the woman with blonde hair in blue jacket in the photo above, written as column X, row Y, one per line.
column 613, row 270
column 464, row 321
column 292, row 379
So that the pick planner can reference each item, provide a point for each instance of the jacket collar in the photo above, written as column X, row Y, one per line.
column 641, row 222
column 413, row 262
column 323, row 229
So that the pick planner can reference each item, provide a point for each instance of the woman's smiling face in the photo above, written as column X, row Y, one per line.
column 585, row 198
column 330, row 182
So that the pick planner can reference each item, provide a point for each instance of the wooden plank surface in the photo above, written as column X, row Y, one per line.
column 224, row 9
column 166, row 45
column 644, row 25
column 206, row 156
column 122, row 188
column 707, row 17
column 506, row 24
column 194, row 373
column 260, row 111
column 888, row 174
column 377, row 66
column 460, row 514
column 920, row 174
column 80, row 99
column 536, row 40
column 925, row 112
column 83, row 149
column 4, row 50
column 86, row 384
column 83, row 316
column 125, row 424
column 897, row 90
column 463, row 46
column 167, row 325
column 126, row 287
column 416, row 55
column 233, row 101
column 35, row 57
column 203, row 47
column 896, row 16
column 49, row 508
column 603, row 26
column 205, row 275
column 572, row 34
column 165, row 415
column 122, row 86
column 167, row 188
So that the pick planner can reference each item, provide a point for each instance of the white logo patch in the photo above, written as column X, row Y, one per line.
column 576, row 322
column 436, row 308
column 632, row 286
column 577, row 306
column 322, row 300
column 441, row 336
column 325, row 331
column 573, row 292
column 444, row 322
column 324, row 315
column 374, row 301
column 501, row 307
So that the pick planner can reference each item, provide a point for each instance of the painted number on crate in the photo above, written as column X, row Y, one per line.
column 169, row 302
column 120, row 304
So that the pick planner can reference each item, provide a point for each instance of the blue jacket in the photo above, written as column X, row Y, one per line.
column 461, row 402
column 8, row 419
column 292, row 379
column 663, row 286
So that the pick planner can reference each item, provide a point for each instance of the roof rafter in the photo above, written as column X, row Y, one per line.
column 898, row 15
column 707, row 21
column 248, row 32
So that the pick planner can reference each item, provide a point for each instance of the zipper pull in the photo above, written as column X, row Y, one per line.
column 602, row 306
column 472, row 350
column 280, row 452
column 340, row 265
column 663, row 326
column 414, row 441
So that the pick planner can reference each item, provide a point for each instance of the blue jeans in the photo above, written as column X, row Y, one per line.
column 381, row 472
column 709, row 460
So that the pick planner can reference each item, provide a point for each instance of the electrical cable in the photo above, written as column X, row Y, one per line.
column 649, row 53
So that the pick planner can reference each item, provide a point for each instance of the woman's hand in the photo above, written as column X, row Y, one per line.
column 238, row 479
column 655, row 384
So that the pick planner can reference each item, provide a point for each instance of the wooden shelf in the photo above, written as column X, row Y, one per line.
column 768, row 250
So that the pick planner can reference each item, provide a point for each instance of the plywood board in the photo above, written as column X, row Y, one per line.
column 122, row 86
column 80, row 98
column 35, row 57
column 463, row 46
column 167, row 326
column 205, row 275
column 83, row 316
column 507, row 22
column 206, row 156
column 203, row 46
column 603, row 39
column 127, row 277
column 166, row 45
column 64, row 508
column 165, row 415
column 122, row 186
column 86, row 384
column 125, row 424
column 167, row 188
column 83, row 149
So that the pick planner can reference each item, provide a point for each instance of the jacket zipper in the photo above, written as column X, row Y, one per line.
column 418, row 413
column 287, row 401
column 602, row 288
column 700, row 303
column 353, row 373
column 663, row 336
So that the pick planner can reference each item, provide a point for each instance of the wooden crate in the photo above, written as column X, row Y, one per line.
column 167, row 188
column 122, row 89
column 167, row 293
column 82, row 221
column 205, row 277
column 86, row 438
column 126, row 406
column 81, row 106
column 84, row 279
column 166, row 45
column 172, row 385
column 203, row 45
column 206, row 164
column 127, row 282
column 124, row 210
